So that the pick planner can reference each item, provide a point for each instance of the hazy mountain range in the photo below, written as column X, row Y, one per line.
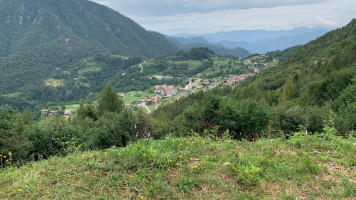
column 255, row 41
column 187, row 43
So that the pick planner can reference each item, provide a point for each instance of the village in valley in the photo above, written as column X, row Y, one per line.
column 165, row 93
column 168, row 93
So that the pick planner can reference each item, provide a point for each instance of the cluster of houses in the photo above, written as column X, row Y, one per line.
column 48, row 112
column 238, row 79
column 159, row 77
column 255, row 64
column 155, row 99
column 121, row 94
column 198, row 84
column 162, row 91
column 167, row 90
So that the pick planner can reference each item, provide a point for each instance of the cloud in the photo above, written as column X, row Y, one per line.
column 172, row 7
column 198, row 16
column 105, row 3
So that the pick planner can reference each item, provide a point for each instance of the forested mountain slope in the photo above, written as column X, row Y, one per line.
column 320, row 69
column 314, row 86
column 74, row 24
column 44, row 39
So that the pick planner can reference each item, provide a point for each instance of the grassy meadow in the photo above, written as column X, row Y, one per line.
column 304, row 167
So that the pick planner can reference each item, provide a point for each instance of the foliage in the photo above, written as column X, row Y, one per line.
column 289, row 90
column 13, row 136
column 109, row 101
column 194, row 167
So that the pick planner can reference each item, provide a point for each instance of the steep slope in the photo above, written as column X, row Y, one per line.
column 333, row 54
column 28, row 24
column 45, row 40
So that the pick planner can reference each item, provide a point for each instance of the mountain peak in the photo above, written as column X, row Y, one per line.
column 41, row 21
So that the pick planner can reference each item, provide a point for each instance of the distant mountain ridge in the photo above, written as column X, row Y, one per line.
column 261, row 41
column 219, row 49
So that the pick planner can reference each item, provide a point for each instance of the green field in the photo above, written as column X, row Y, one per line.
column 137, row 95
column 72, row 106
column 192, row 63
column 89, row 69
column 304, row 167
column 13, row 95
column 54, row 82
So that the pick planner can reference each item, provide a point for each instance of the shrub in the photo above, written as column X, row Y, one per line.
column 252, row 119
column 13, row 134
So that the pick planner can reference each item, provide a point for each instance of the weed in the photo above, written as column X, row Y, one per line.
column 349, row 188
column 184, row 184
column 248, row 175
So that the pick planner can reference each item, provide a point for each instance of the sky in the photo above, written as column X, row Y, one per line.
column 173, row 17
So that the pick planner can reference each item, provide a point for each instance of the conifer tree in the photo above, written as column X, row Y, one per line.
column 289, row 90
column 109, row 101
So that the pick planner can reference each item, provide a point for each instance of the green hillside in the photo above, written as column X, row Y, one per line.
column 315, row 81
column 304, row 167
column 75, row 24
column 44, row 39
column 287, row 132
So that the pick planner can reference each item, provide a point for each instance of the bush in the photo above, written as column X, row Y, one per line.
column 292, row 118
column 113, row 129
column 13, row 141
column 49, row 135
column 252, row 119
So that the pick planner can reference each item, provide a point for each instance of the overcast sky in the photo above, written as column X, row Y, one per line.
column 208, row 16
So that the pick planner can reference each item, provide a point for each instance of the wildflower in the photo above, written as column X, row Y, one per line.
column 195, row 166
column 131, row 176
column 179, row 156
column 8, row 190
column 19, row 190
column 7, row 160
column 10, row 154
column 141, row 197
column 4, row 156
column 168, row 170
column 180, row 144
column 190, row 158
column 196, row 159
column 119, row 154
column 178, row 164
column 170, row 160
column 126, row 182
column 173, row 140
column 185, row 138
column 144, row 155
column 48, row 192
